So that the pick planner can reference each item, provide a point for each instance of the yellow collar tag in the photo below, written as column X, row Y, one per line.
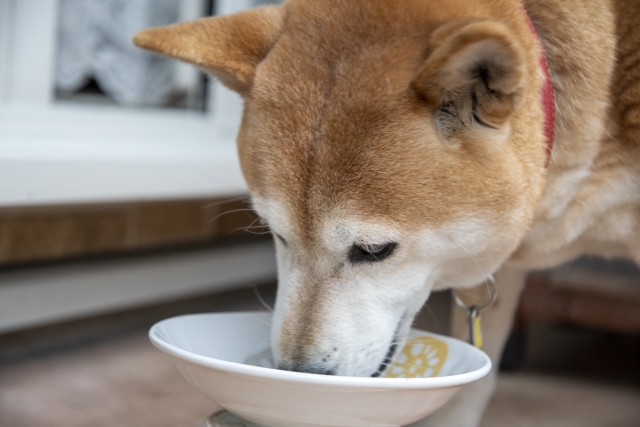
column 473, row 312
column 475, row 328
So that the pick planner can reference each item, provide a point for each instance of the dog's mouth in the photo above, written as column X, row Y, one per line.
column 390, row 353
column 387, row 359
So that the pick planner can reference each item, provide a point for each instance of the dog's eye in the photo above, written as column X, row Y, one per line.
column 371, row 253
column 376, row 249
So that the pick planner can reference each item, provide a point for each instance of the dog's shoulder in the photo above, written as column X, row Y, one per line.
column 592, row 198
column 626, row 82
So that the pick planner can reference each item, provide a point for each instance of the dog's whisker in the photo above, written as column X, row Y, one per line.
column 229, row 212
column 222, row 202
column 269, row 325
column 266, row 323
column 258, row 219
column 255, row 227
column 473, row 259
column 251, row 226
column 252, row 232
column 432, row 315
column 262, row 301
column 486, row 283
column 264, row 341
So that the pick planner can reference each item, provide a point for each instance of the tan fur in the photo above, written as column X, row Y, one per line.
column 444, row 72
column 278, row 141
column 327, row 156
column 592, row 195
column 241, row 42
column 344, row 118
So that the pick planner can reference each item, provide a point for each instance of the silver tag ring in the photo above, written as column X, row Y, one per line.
column 493, row 294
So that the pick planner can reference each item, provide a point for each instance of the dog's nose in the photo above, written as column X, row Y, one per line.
column 309, row 368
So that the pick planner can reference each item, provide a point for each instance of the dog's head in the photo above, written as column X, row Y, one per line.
column 392, row 148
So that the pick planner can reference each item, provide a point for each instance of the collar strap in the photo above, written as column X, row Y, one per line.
column 546, row 94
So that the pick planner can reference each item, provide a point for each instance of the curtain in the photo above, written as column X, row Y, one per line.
column 94, row 41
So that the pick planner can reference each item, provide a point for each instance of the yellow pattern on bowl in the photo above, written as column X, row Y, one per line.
column 421, row 357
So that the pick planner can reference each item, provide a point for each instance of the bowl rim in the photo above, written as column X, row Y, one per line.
column 259, row 372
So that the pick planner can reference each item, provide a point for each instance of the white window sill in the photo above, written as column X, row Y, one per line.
column 70, row 154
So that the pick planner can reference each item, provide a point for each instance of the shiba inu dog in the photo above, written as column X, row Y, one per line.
column 399, row 147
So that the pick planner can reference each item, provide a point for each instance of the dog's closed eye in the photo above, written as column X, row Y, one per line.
column 371, row 253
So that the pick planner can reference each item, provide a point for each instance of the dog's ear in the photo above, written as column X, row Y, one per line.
column 473, row 76
column 228, row 47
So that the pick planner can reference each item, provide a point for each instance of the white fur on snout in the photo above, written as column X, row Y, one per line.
column 366, row 307
column 361, row 309
column 363, row 315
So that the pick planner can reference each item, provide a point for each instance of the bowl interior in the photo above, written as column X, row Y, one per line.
column 232, row 337
column 244, row 338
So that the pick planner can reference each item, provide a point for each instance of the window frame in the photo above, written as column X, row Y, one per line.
column 54, row 153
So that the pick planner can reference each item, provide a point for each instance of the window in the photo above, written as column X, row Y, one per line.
column 95, row 61
column 60, row 146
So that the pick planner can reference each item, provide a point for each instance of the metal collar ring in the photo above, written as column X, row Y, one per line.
column 493, row 294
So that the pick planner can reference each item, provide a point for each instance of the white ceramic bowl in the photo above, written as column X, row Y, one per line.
column 212, row 352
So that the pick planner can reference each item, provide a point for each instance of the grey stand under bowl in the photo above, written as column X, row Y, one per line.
column 227, row 419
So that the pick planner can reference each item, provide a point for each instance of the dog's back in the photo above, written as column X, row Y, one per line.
column 625, row 88
column 591, row 202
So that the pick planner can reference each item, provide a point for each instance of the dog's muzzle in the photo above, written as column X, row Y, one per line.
column 309, row 368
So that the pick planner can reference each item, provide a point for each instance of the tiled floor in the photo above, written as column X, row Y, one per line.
column 125, row 382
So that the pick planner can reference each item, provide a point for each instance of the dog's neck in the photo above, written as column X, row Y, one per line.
column 546, row 94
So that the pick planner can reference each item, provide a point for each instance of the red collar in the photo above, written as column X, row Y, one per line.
column 546, row 94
